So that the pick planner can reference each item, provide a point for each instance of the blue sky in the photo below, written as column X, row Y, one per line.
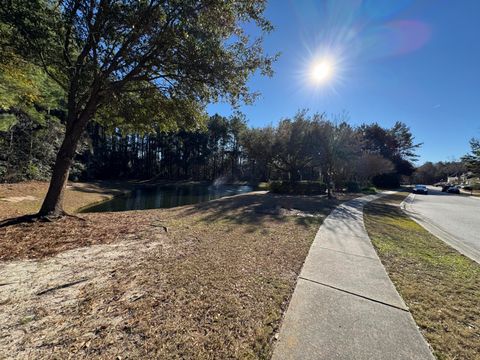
column 403, row 60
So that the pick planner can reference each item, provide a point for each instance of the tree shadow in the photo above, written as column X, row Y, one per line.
column 114, row 188
column 33, row 218
column 257, row 207
column 385, row 210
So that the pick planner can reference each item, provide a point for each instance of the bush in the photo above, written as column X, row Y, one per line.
column 32, row 172
column 352, row 187
column 386, row 181
column 369, row 190
column 472, row 187
column 298, row 188
column 263, row 186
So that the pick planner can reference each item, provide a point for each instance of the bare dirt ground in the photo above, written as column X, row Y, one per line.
column 203, row 281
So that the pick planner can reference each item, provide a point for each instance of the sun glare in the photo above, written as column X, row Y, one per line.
column 322, row 71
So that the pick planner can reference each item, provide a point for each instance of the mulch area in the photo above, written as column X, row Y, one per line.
column 42, row 239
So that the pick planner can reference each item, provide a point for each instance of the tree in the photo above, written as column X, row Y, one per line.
column 292, row 148
column 430, row 173
column 159, row 62
column 369, row 165
column 30, row 113
column 426, row 173
column 258, row 144
column 395, row 144
column 237, row 127
column 472, row 161
column 337, row 149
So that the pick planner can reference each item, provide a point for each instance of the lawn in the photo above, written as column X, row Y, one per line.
column 210, row 280
column 440, row 285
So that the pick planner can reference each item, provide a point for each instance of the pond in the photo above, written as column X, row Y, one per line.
column 167, row 196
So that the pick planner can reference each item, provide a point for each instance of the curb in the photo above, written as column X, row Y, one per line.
column 436, row 231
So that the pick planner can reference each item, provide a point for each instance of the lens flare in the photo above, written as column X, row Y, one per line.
column 322, row 71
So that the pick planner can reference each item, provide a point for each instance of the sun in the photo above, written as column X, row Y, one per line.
column 322, row 71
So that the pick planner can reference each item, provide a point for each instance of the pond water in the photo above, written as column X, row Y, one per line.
column 167, row 196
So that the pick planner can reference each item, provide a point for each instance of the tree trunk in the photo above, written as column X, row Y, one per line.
column 53, row 202
column 328, row 183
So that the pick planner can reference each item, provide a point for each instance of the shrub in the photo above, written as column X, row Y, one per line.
column 369, row 190
column 386, row 181
column 32, row 172
column 352, row 187
column 263, row 186
column 299, row 187
column 472, row 187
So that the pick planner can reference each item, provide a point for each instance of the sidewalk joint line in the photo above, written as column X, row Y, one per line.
column 354, row 294
column 346, row 253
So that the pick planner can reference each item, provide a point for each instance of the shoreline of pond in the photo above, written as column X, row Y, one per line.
column 138, row 195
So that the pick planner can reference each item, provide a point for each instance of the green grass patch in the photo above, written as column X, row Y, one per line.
column 440, row 285
column 369, row 190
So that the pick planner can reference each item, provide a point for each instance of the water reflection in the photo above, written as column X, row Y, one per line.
column 167, row 196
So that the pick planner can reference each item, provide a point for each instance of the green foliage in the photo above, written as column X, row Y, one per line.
column 258, row 147
column 298, row 187
column 26, row 87
column 215, row 151
column 263, row 186
column 28, row 148
column 472, row 160
column 395, row 144
column 142, row 63
column 431, row 173
column 369, row 190
column 292, row 149
column 29, row 134
column 7, row 121
column 387, row 181
column 353, row 186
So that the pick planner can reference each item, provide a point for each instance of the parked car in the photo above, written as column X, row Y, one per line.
column 420, row 189
column 446, row 187
column 453, row 190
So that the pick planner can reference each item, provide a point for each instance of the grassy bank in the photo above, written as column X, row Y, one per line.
column 26, row 197
column 203, row 281
column 440, row 286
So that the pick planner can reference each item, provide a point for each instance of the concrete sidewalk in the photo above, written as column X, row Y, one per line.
column 344, row 305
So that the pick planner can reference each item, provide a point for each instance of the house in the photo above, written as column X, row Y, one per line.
column 465, row 179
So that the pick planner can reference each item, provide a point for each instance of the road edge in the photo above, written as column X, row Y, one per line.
column 437, row 231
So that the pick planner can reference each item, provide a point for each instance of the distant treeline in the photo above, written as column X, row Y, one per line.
column 305, row 147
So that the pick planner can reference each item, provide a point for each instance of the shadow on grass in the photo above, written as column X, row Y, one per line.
column 387, row 207
column 255, row 208
column 114, row 188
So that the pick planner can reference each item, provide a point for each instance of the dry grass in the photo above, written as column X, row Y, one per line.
column 26, row 197
column 440, row 285
column 214, row 285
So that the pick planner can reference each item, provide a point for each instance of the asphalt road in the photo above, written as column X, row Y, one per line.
column 451, row 217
